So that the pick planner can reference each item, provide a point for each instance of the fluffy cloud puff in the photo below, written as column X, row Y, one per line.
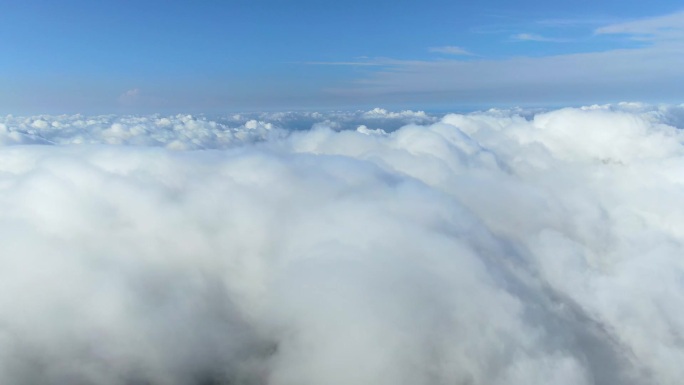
column 191, row 132
column 498, row 247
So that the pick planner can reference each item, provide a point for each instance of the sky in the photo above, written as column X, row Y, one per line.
column 77, row 56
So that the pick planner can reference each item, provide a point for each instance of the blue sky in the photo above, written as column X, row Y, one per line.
column 212, row 56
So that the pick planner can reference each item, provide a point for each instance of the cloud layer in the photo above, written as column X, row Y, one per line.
column 640, row 59
column 497, row 247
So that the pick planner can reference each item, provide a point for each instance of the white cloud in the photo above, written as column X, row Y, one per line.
column 651, row 71
column 194, row 132
column 573, row 22
column 345, row 63
column 129, row 97
column 381, row 113
column 535, row 37
column 450, row 50
column 500, row 247
column 662, row 28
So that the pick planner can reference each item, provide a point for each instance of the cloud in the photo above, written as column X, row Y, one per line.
column 176, row 132
column 136, row 99
column 345, row 63
column 381, row 113
column 650, row 72
column 129, row 97
column 574, row 22
column 357, row 61
column 499, row 247
column 653, row 70
column 184, row 131
column 535, row 37
column 450, row 50
column 662, row 28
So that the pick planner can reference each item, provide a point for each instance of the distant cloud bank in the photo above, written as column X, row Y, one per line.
column 508, row 247
column 643, row 60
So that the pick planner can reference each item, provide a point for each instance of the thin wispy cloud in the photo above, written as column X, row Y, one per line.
column 343, row 63
column 575, row 22
column 536, row 37
column 130, row 96
column 669, row 27
column 451, row 50
column 654, row 71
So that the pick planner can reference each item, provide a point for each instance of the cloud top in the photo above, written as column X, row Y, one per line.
column 496, row 247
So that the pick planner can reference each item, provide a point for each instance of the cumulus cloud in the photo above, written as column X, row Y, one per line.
column 496, row 247
column 194, row 132
column 174, row 132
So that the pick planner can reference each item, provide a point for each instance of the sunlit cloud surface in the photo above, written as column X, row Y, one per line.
column 379, row 247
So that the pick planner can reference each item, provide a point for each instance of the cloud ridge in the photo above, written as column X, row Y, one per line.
column 505, row 246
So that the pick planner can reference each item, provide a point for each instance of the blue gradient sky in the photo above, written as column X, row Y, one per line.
column 212, row 56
